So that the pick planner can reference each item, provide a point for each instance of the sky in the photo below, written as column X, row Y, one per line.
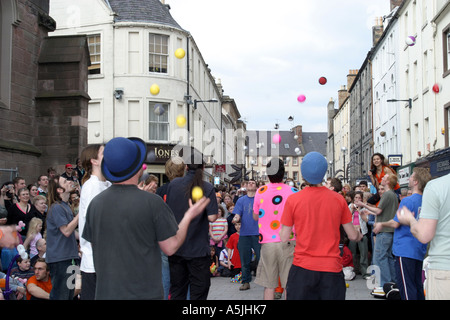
column 266, row 53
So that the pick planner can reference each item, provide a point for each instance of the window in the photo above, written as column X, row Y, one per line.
column 94, row 44
column 158, row 53
column 295, row 173
column 446, row 128
column 295, row 161
column 158, row 121
column 446, row 49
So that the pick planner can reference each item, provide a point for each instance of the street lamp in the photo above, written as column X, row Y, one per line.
column 395, row 100
column 252, row 163
column 196, row 101
column 344, row 151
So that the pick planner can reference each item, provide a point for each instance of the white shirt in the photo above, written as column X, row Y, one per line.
column 90, row 189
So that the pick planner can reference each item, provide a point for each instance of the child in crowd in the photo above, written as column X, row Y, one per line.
column 224, row 262
column 33, row 235
column 218, row 231
column 214, row 262
column 347, row 258
column 359, row 249
column 233, row 253
column 17, row 287
column 24, row 270
column 22, row 273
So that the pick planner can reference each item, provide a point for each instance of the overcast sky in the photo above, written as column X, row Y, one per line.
column 267, row 52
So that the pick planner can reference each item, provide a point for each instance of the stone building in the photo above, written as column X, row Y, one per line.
column 43, row 95
column 291, row 146
column 133, row 46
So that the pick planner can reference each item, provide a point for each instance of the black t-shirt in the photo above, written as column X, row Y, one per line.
column 124, row 225
column 15, row 215
column 197, row 239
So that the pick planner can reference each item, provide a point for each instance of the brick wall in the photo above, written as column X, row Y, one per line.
column 45, row 124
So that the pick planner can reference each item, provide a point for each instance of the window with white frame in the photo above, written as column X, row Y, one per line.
column 295, row 161
column 94, row 44
column 158, row 126
column 447, row 46
column 446, row 51
column 158, row 53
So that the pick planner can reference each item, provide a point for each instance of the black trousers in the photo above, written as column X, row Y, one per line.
column 190, row 273
column 303, row 284
column 88, row 286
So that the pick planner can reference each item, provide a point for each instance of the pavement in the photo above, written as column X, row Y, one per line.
column 223, row 289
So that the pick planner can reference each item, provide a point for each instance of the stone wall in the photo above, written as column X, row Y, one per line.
column 45, row 124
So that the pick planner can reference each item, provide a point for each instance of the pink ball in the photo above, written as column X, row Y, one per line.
column 301, row 98
column 144, row 166
column 276, row 138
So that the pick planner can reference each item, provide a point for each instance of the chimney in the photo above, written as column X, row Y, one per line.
column 351, row 77
column 342, row 95
column 219, row 87
column 377, row 30
column 298, row 133
column 395, row 3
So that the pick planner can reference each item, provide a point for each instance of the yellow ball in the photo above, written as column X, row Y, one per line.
column 180, row 53
column 197, row 193
column 181, row 121
column 154, row 89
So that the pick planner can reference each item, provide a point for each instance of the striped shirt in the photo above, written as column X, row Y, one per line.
column 218, row 226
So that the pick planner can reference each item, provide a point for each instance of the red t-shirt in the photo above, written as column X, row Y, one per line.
column 233, row 245
column 317, row 214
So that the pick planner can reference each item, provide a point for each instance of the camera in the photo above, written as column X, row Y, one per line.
column 373, row 170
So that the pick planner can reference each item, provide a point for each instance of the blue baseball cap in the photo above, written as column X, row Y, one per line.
column 314, row 167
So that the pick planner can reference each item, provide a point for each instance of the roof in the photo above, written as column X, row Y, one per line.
column 315, row 141
column 152, row 11
column 62, row 49
column 312, row 141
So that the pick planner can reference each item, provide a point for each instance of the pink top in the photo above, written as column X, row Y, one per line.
column 356, row 218
column 269, row 204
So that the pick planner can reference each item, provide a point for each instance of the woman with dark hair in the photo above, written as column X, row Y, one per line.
column 189, row 266
column 378, row 169
column 80, row 170
column 93, row 184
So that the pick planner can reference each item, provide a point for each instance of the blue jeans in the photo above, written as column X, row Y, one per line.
column 383, row 258
column 63, row 281
column 165, row 275
column 245, row 245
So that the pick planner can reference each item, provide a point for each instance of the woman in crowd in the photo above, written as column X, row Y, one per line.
column 62, row 245
column 33, row 189
column 40, row 204
column 21, row 211
column 93, row 183
column 379, row 168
